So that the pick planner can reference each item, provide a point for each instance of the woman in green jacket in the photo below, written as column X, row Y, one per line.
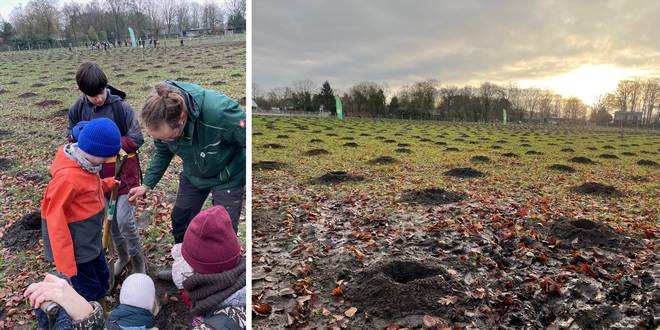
column 207, row 130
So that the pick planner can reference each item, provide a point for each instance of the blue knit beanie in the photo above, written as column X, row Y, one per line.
column 75, row 132
column 100, row 138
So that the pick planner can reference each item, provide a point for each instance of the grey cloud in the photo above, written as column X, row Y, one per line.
column 348, row 42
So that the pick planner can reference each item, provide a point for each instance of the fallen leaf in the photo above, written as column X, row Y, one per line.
column 350, row 312
column 337, row 291
column 262, row 309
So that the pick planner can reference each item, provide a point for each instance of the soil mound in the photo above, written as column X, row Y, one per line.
column 268, row 165
column 403, row 150
column 480, row 159
column 316, row 152
column 383, row 160
column 586, row 232
column 608, row 156
column 562, row 168
column 431, row 196
column 581, row 160
column 338, row 177
column 596, row 188
column 648, row 162
column 24, row 234
column 273, row 146
column 464, row 172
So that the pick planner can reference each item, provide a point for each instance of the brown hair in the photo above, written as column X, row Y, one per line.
column 164, row 104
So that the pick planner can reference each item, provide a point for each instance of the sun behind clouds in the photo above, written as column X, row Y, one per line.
column 586, row 82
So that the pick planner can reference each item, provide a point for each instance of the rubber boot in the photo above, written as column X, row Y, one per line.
column 122, row 252
column 138, row 264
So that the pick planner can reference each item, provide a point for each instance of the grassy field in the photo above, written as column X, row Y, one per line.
column 385, row 224
column 36, row 89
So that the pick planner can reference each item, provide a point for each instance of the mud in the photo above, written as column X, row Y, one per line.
column 596, row 188
column 24, row 234
column 316, row 152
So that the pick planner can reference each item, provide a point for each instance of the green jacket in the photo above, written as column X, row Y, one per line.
column 213, row 143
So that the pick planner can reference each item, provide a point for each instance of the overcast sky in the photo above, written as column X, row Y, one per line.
column 545, row 43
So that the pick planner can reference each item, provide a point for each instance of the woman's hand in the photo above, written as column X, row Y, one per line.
column 57, row 290
column 136, row 193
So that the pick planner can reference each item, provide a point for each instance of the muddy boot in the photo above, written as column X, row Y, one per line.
column 104, row 306
column 138, row 264
column 164, row 275
column 122, row 252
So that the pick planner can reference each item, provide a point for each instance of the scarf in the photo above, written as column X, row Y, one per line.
column 207, row 291
column 71, row 151
column 131, row 316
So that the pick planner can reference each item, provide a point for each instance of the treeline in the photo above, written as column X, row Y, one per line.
column 44, row 22
column 483, row 103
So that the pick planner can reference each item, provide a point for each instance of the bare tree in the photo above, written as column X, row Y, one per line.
column 168, row 13
column 183, row 16
column 72, row 12
column 117, row 10
column 196, row 11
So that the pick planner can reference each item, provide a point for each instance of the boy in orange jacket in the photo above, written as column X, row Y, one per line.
column 73, row 208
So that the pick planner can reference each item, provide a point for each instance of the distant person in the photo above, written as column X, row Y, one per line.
column 181, row 42
column 206, row 129
column 72, row 212
column 100, row 100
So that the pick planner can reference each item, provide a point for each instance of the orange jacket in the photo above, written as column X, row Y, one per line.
column 72, row 213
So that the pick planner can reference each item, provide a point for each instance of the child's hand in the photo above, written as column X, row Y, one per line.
column 57, row 290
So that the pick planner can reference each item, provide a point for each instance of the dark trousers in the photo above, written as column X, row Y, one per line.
column 189, row 202
column 91, row 282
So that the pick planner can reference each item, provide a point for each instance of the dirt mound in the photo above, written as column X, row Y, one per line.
column 268, row 165
column 273, row 146
column 120, row 75
column 383, row 160
column 338, row 177
column 127, row 83
column 24, row 234
column 282, row 136
column 431, row 196
column 608, row 156
column 183, row 79
column 38, row 85
column 510, row 155
column 58, row 89
column 351, row 145
column 480, row 159
column 218, row 83
column 592, row 148
column 451, row 149
column 628, row 153
column 47, row 103
column 389, row 141
column 2, row 91
column 316, row 152
column 596, row 188
column 608, row 147
column 173, row 314
column 496, row 147
column 28, row 94
column 581, row 160
column 403, row 145
column 5, row 163
column 567, row 150
column 403, row 151
column 533, row 152
column 141, row 70
column 399, row 288
column 315, row 141
column 648, row 162
column 562, row 168
column 464, row 172
column 587, row 233
column 440, row 143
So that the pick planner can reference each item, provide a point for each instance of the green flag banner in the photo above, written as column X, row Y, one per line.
column 340, row 112
column 132, row 33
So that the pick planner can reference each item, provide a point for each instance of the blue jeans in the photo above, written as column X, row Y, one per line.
column 91, row 282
